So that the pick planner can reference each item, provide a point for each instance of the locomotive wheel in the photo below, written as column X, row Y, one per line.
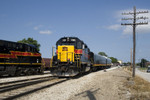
column 83, row 68
column 91, row 70
column 35, row 72
column 94, row 69
column 18, row 73
column 29, row 72
column 11, row 75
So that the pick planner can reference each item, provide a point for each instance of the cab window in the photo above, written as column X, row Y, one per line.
column 79, row 45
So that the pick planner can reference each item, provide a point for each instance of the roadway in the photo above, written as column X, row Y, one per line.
column 144, row 75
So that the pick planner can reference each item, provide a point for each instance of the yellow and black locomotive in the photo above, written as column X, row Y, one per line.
column 18, row 58
column 73, row 57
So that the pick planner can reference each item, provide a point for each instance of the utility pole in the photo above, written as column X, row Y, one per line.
column 134, row 24
column 131, row 57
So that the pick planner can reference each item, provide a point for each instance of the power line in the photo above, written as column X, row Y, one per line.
column 134, row 24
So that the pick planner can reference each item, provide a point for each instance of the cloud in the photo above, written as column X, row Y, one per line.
column 141, row 29
column 115, row 27
column 37, row 27
column 127, row 30
column 45, row 32
column 42, row 29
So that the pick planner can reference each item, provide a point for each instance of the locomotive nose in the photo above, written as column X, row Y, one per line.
column 66, row 53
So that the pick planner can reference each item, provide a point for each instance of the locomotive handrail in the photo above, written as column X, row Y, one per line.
column 51, row 62
column 78, row 60
column 71, row 55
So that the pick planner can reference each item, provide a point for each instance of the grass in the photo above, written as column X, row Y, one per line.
column 139, row 88
column 143, row 68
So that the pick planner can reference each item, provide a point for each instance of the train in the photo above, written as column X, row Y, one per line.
column 74, row 57
column 19, row 59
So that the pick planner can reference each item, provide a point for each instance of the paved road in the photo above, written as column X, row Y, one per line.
column 144, row 75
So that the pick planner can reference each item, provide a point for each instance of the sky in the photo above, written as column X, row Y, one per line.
column 96, row 22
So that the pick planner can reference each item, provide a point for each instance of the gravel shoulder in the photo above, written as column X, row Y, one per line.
column 94, row 86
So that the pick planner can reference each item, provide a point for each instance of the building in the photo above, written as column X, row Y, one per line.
column 120, row 62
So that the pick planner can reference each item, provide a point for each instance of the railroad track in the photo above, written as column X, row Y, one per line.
column 17, row 89
column 6, row 76
column 22, row 80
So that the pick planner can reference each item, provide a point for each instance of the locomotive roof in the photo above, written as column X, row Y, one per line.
column 69, row 38
column 77, row 39
column 19, row 43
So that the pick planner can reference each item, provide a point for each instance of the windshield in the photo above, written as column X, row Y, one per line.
column 67, row 43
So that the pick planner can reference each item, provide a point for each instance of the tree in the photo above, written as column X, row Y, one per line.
column 114, row 60
column 102, row 54
column 129, row 63
column 143, row 62
column 30, row 41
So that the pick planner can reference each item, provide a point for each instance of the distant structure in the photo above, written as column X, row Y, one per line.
column 148, row 64
column 120, row 62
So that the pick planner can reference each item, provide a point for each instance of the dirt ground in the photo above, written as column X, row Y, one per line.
column 99, row 85
column 105, row 86
column 139, row 86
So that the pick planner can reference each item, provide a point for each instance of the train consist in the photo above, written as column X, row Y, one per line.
column 18, row 58
column 74, row 57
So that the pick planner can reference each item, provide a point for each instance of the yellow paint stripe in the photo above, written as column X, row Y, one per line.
column 20, row 63
column 36, row 63
column 101, row 64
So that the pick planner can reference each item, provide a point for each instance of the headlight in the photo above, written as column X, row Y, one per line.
column 71, row 62
column 55, row 62
column 37, row 60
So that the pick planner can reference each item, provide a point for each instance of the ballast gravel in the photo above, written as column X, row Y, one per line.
column 3, row 80
column 94, row 86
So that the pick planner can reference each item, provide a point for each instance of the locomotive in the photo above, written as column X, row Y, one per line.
column 19, row 58
column 74, row 57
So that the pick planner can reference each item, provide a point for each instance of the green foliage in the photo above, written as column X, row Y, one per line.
column 114, row 60
column 102, row 54
column 30, row 41
column 129, row 63
column 143, row 62
column 142, row 68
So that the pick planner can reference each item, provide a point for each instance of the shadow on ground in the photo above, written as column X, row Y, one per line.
column 89, row 93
